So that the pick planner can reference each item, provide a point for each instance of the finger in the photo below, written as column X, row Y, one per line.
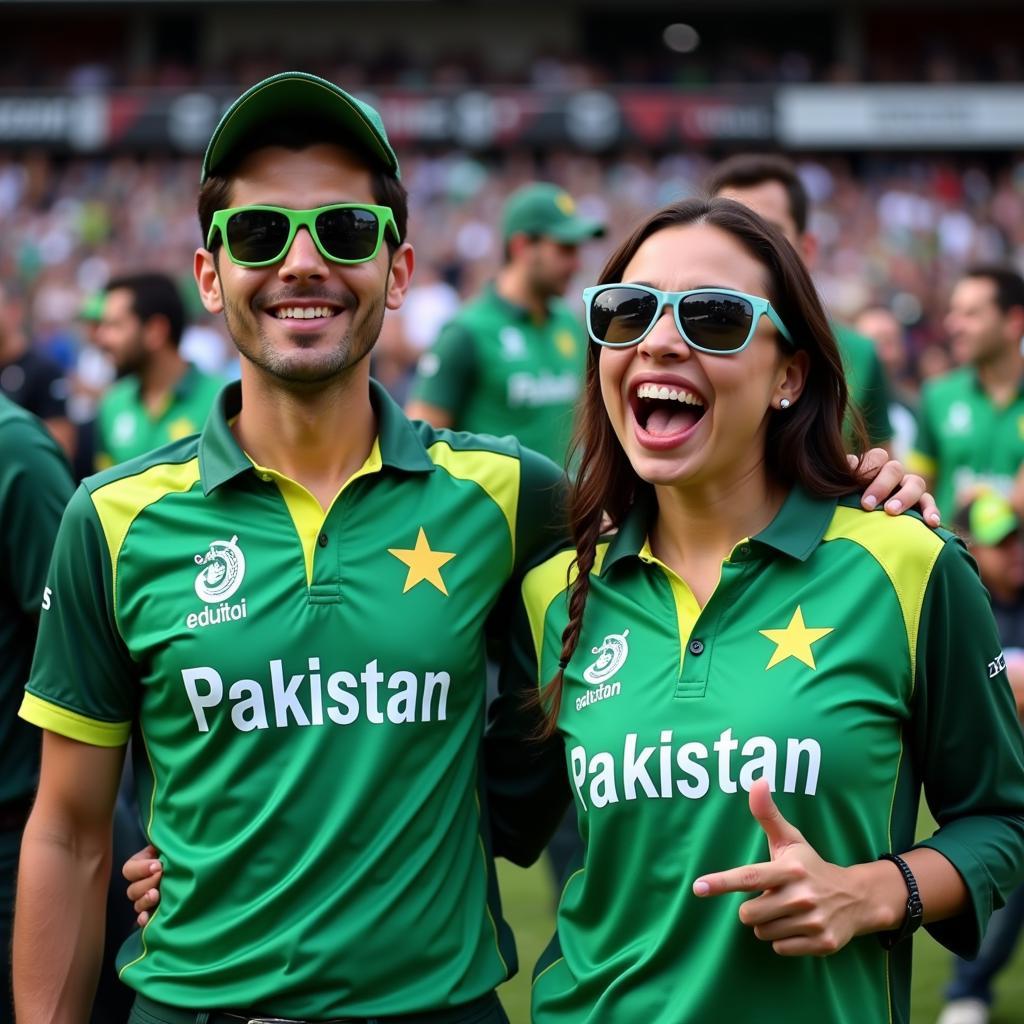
column 909, row 493
column 881, row 477
column 779, row 831
column 137, row 890
column 141, row 864
column 807, row 926
column 929, row 510
column 147, row 901
column 136, row 871
column 789, row 901
column 749, row 878
column 142, row 919
column 808, row 945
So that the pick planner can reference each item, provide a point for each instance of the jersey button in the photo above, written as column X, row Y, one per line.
column 743, row 550
column 696, row 646
column 322, row 540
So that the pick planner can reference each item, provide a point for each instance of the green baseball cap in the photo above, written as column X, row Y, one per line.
column 988, row 519
column 292, row 93
column 546, row 211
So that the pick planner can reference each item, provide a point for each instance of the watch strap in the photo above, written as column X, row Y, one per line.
column 914, row 913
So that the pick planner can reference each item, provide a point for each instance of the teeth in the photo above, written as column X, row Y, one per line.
column 664, row 393
column 303, row 312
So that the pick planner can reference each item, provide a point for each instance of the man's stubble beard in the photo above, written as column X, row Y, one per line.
column 252, row 341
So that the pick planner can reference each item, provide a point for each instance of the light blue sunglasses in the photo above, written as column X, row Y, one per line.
column 718, row 321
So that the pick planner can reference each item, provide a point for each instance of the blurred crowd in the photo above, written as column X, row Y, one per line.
column 934, row 58
column 890, row 232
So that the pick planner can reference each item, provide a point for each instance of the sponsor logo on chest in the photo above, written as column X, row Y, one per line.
column 221, row 571
column 611, row 656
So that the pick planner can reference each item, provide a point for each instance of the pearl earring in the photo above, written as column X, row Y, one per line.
column 785, row 403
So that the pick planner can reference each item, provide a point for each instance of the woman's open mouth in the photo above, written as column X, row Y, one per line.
column 665, row 414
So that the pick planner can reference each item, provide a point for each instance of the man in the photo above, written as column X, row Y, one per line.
column 771, row 187
column 287, row 613
column 30, row 379
column 34, row 488
column 970, row 431
column 994, row 533
column 511, row 361
column 160, row 397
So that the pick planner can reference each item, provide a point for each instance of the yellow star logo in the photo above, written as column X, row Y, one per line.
column 794, row 641
column 424, row 564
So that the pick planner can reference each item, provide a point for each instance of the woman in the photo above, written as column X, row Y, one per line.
column 754, row 677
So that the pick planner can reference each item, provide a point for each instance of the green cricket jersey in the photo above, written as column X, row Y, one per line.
column 849, row 658
column 125, row 427
column 866, row 380
column 34, row 488
column 497, row 371
column 306, row 696
column 964, row 441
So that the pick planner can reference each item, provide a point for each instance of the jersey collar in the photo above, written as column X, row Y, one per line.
column 221, row 459
column 796, row 530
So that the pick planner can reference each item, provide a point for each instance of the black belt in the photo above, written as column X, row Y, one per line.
column 14, row 813
column 464, row 1014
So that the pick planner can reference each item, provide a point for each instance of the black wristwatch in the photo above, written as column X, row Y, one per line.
column 914, row 914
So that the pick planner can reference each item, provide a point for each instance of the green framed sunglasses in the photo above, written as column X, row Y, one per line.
column 257, row 236
column 718, row 321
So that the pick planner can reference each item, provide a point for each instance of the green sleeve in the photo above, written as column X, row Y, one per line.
column 541, row 523
column 83, row 681
column 446, row 375
column 967, row 746
column 527, row 785
column 35, row 485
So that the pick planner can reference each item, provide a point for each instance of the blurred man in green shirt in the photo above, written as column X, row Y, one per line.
column 34, row 488
column 511, row 361
column 970, row 425
column 160, row 397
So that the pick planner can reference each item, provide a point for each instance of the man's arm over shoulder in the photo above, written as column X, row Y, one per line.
column 527, row 784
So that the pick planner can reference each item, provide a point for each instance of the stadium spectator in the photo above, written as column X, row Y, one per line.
column 970, row 425
column 159, row 397
column 34, row 488
column 511, row 361
column 753, row 631
column 771, row 187
column 29, row 378
column 994, row 533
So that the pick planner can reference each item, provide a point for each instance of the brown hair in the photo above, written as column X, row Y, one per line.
column 804, row 445
column 1008, row 283
column 215, row 192
column 748, row 170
